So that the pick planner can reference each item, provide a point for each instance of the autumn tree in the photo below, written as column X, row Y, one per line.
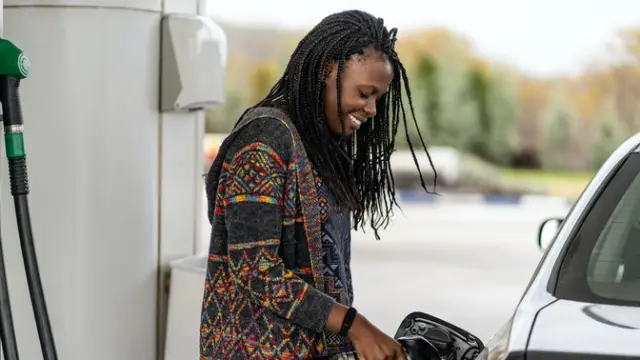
column 627, row 46
column 261, row 80
column 438, row 43
column 622, row 72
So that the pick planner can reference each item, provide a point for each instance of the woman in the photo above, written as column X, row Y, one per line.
column 283, row 190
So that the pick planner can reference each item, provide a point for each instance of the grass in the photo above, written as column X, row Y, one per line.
column 562, row 184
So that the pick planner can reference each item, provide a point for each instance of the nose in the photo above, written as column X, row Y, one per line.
column 370, row 108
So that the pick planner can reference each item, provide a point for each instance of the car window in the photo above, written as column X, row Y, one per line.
column 602, row 264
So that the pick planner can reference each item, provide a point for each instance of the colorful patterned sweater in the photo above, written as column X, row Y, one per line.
column 279, row 254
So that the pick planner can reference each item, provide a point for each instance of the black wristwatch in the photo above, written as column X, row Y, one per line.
column 349, row 317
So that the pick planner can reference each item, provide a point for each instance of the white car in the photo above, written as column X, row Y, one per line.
column 583, row 301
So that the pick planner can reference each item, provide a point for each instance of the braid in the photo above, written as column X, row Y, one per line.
column 356, row 169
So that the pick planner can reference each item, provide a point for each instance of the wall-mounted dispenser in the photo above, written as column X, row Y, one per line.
column 193, row 63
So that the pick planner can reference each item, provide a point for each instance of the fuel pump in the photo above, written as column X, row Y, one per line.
column 14, row 66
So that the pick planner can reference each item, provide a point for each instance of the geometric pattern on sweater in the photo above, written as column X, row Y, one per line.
column 237, row 339
column 336, row 243
column 251, row 279
column 264, row 293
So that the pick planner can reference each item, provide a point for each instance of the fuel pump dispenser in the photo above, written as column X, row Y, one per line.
column 14, row 66
column 193, row 59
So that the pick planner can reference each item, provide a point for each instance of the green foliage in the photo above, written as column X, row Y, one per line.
column 610, row 133
column 469, row 109
column 428, row 79
column 459, row 116
column 495, row 97
column 558, row 132
column 504, row 114
column 477, row 91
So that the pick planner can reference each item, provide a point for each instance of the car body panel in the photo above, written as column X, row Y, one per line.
column 517, row 334
column 574, row 327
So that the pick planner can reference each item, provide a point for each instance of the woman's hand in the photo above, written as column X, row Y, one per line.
column 369, row 342
column 372, row 344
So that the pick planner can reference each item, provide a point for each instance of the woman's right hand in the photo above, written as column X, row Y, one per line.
column 372, row 344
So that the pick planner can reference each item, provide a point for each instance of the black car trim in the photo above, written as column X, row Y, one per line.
column 571, row 281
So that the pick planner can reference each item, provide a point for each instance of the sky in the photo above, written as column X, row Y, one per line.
column 541, row 37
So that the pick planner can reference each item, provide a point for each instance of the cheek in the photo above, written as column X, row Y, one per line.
column 350, row 99
column 329, row 99
column 329, row 95
column 331, row 106
column 353, row 102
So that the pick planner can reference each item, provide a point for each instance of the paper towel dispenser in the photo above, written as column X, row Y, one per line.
column 193, row 63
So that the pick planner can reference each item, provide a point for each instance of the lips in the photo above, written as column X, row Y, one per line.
column 355, row 123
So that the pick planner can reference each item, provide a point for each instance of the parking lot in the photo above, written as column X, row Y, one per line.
column 467, row 264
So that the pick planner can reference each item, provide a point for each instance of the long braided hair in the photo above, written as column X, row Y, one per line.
column 356, row 169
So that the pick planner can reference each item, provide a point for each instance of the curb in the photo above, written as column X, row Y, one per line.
column 420, row 197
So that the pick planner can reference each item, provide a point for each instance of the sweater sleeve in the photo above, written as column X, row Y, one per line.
column 253, row 200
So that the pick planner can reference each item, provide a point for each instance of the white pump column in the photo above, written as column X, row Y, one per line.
column 115, row 184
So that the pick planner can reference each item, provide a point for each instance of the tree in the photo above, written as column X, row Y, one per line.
column 457, row 113
column 558, row 129
column 610, row 133
column 495, row 95
column 445, row 116
column 628, row 45
column 505, row 114
column 430, row 94
column 437, row 42
column 478, row 92
column 261, row 81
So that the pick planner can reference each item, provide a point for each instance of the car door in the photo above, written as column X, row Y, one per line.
column 596, row 282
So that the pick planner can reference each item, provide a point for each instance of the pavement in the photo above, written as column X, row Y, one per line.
column 465, row 263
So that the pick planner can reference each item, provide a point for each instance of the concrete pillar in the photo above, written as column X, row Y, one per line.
column 115, row 184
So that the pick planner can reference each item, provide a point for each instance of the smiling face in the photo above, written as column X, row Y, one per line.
column 365, row 78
